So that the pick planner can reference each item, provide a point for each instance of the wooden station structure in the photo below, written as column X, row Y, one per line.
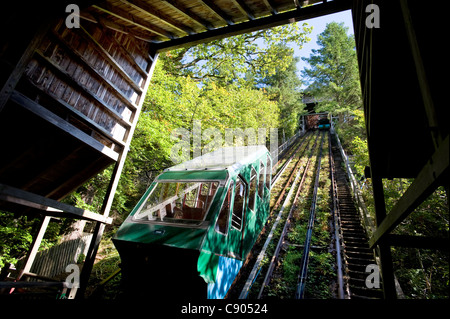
column 70, row 97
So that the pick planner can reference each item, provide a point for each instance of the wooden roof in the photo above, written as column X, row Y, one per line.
column 174, row 23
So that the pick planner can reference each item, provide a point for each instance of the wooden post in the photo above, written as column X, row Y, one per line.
column 387, row 270
column 34, row 247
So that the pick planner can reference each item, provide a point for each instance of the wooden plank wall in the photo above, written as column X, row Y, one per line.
column 79, row 91
column 89, row 83
column 53, row 261
column 96, row 75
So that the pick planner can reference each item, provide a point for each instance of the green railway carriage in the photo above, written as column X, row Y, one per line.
column 191, row 231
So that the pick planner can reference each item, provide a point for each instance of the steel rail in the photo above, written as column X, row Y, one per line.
column 255, row 270
column 283, row 233
column 312, row 214
column 287, row 150
column 335, row 214
column 286, row 163
column 280, row 197
column 286, row 225
column 252, row 255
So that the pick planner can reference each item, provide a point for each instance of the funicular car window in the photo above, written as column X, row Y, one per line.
column 222, row 221
column 268, row 173
column 238, row 204
column 261, row 180
column 251, row 198
column 178, row 202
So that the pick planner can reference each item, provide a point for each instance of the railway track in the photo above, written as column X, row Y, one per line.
column 312, row 217
column 295, row 245
column 304, row 159
column 281, row 185
column 311, row 209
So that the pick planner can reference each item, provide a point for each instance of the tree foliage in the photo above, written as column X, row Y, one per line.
column 333, row 76
column 283, row 87
column 210, row 84
column 239, row 58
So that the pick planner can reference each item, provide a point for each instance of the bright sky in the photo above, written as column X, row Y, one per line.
column 319, row 25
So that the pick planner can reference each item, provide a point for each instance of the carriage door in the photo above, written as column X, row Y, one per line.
column 237, row 219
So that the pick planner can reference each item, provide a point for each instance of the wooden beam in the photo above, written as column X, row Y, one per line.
column 429, row 178
column 112, row 187
column 176, row 5
column 108, row 24
column 31, row 254
column 47, row 205
column 21, row 65
column 74, row 83
column 149, row 10
column 128, row 56
column 217, row 11
column 80, row 116
column 383, row 249
column 428, row 103
column 257, row 24
column 50, row 117
column 242, row 6
column 96, row 18
column 271, row 6
column 82, row 60
column 129, row 18
column 60, row 192
column 49, row 166
column 32, row 284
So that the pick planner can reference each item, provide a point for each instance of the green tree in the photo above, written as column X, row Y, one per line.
column 176, row 101
column 333, row 76
column 240, row 58
column 283, row 87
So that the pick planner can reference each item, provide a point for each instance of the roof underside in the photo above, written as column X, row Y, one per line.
column 176, row 23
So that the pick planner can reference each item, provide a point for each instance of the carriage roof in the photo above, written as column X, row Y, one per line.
column 217, row 164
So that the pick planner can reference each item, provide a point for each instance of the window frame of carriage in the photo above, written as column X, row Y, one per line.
column 248, row 188
column 200, row 223
column 232, row 187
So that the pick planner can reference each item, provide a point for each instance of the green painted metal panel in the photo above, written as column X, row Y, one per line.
column 207, row 266
column 146, row 233
column 190, row 175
